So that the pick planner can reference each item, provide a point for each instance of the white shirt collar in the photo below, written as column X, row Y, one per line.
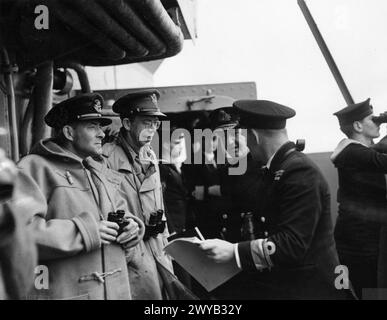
column 270, row 160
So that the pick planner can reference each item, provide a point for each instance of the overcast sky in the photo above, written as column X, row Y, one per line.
column 269, row 42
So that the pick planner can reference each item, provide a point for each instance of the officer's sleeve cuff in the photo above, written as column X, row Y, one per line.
column 244, row 254
column 88, row 227
column 236, row 254
column 253, row 255
column 260, row 257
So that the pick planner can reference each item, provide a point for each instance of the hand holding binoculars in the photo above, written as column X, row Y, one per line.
column 119, row 218
column 155, row 225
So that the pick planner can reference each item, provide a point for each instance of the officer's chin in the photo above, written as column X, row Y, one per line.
column 97, row 152
column 146, row 140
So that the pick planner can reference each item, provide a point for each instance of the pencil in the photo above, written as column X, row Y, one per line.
column 199, row 234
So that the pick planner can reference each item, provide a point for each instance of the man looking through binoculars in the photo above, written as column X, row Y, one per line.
column 361, row 166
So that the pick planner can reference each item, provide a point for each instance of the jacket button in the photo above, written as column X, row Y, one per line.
column 263, row 219
column 224, row 216
column 266, row 233
column 224, row 229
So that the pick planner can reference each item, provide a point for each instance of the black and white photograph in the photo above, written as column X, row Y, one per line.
column 211, row 152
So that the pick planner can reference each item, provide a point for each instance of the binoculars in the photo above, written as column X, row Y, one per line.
column 155, row 225
column 382, row 118
column 300, row 145
column 119, row 218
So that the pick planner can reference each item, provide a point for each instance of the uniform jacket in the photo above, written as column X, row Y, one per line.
column 175, row 196
column 242, row 190
column 211, row 210
column 361, row 196
column 18, row 254
column 361, row 226
column 294, row 214
column 65, row 221
column 143, row 198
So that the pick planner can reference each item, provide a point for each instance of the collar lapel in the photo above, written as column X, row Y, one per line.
column 281, row 155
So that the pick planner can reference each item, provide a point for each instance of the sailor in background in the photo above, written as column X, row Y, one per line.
column 173, row 154
column 239, row 189
column 211, row 207
column 293, row 255
column 176, row 196
column 361, row 166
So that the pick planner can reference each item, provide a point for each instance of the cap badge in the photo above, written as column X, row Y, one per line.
column 154, row 99
column 97, row 105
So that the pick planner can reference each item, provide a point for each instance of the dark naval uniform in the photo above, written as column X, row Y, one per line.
column 214, row 208
column 362, row 203
column 175, row 196
column 210, row 211
column 243, row 192
column 293, row 255
column 362, row 207
column 294, row 215
column 238, row 192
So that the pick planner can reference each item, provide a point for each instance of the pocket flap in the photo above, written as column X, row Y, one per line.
column 149, row 184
